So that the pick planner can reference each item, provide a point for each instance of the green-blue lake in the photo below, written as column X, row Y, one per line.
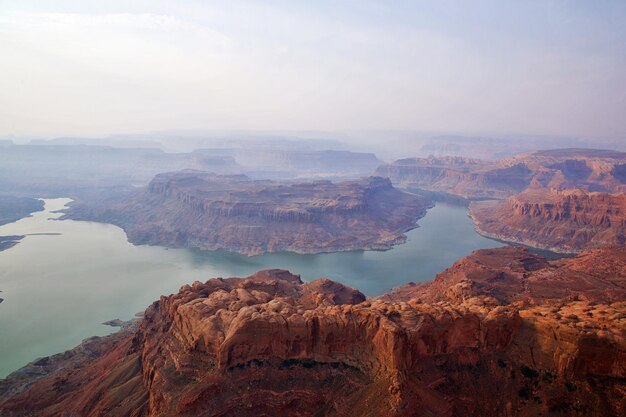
column 65, row 278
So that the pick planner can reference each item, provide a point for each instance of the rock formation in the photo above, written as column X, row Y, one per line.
column 502, row 332
column 558, row 220
column 563, row 200
column 207, row 211
column 587, row 169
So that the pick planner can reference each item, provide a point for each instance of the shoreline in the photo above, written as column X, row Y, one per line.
column 374, row 279
column 379, row 246
column 7, row 242
column 524, row 242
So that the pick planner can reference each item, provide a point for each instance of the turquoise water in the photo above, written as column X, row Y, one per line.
column 66, row 277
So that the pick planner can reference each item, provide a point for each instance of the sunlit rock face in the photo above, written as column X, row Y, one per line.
column 558, row 220
column 207, row 211
column 502, row 332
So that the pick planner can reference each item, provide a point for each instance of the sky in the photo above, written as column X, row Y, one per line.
column 103, row 67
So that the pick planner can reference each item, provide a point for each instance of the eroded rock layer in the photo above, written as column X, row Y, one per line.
column 207, row 211
column 558, row 220
column 587, row 169
column 502, row 332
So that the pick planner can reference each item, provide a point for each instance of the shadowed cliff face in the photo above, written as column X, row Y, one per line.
column 502, row 332
column 562, row 221
column 207, row 211
column 592, row 170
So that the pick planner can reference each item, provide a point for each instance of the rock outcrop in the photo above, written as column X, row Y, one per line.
column 209, row 212
column 557, row 220
column 563, row 200
column 502, row 332
column 587, row 169
column 463, row 177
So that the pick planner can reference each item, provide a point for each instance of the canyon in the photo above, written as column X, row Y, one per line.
column 313, row 209
column 563, row 200
column 502, row 332
column 232, row 212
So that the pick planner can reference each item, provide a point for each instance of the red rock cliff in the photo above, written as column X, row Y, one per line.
column 500, row 333
column 587, row 169
column 559, row 220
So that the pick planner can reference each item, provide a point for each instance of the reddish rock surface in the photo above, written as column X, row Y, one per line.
column 564, row 200
column 209, row 212
column 558, row 220
column 502, row 332
column 587, row 169
column 464, row 177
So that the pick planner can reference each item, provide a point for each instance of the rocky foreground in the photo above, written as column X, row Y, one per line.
column 502, row 332
column 207, row 211
column 557, row 220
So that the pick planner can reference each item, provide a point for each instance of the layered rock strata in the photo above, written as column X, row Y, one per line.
column 209, row 212
column 557, row 220
column 502, row 332
column 587, row 169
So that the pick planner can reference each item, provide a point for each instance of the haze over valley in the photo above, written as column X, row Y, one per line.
column 329, row 209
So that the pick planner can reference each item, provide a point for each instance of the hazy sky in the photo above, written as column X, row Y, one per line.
column 98, row 67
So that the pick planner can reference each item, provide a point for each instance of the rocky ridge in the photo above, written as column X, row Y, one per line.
column 502, row 332
column 586, row 169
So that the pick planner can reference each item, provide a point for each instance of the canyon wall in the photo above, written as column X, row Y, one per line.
column 209, row 212
column 502, row 332
column 563, row 200
column 587, row 169
column 557, row 220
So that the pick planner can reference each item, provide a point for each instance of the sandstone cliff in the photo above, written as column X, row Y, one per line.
column 207, row 211
column 588, row 169
column 464, row 177
column 502, row 332
column 558, row 220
